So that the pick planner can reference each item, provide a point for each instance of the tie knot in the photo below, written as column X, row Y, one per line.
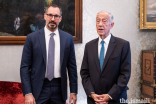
column 102, row 42
column 52, row 34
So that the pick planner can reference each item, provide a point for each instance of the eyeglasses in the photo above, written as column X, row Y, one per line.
column 51, row 16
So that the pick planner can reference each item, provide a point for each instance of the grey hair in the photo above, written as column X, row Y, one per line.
column 111, row 16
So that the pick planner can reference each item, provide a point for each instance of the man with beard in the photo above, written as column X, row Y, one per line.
column 46, row 55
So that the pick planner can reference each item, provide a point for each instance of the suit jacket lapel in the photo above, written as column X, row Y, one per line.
column 41, row 37
column 110, row 49
column 95, row 51
column 61, row 46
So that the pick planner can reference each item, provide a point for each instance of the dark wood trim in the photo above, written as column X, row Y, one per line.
column 12, row 40
column 78, row 21
column 6, row 40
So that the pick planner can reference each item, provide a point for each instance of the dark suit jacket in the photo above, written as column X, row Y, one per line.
column 33, row 64
column 115, row 73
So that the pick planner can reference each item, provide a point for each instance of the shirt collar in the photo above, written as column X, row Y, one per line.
column 48, row 32
column 106, row 40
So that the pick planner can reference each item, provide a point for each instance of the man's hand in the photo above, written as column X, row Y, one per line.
column 29, row 99
column 104, row 98
column 94, row 96
column 74, row 98
column 100, row 99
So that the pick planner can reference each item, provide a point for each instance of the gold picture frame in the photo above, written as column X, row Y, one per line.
column 19, row 40
column 147, row 15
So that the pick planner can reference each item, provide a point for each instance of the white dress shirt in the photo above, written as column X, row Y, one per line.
column 106, row 43
column 57, row 72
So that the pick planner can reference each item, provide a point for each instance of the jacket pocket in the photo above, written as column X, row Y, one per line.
column 33, row 70
column 67, row 49
column 115, row 56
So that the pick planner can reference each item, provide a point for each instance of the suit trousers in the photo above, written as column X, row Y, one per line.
column 51, row 92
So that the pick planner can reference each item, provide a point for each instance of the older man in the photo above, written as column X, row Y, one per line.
column 106, row 65
column 46, row 55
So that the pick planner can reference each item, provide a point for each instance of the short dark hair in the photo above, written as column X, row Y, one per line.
column 55, row 6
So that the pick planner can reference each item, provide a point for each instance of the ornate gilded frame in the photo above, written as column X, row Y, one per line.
column 78, row 29
column 143, row 17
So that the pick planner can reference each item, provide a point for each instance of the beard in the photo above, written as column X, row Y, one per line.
column 52, row 27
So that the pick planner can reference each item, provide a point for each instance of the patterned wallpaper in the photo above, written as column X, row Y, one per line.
column 126, row 18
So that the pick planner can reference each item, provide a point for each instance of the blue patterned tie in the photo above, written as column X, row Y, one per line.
column 101, row 59
column 51, row 58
